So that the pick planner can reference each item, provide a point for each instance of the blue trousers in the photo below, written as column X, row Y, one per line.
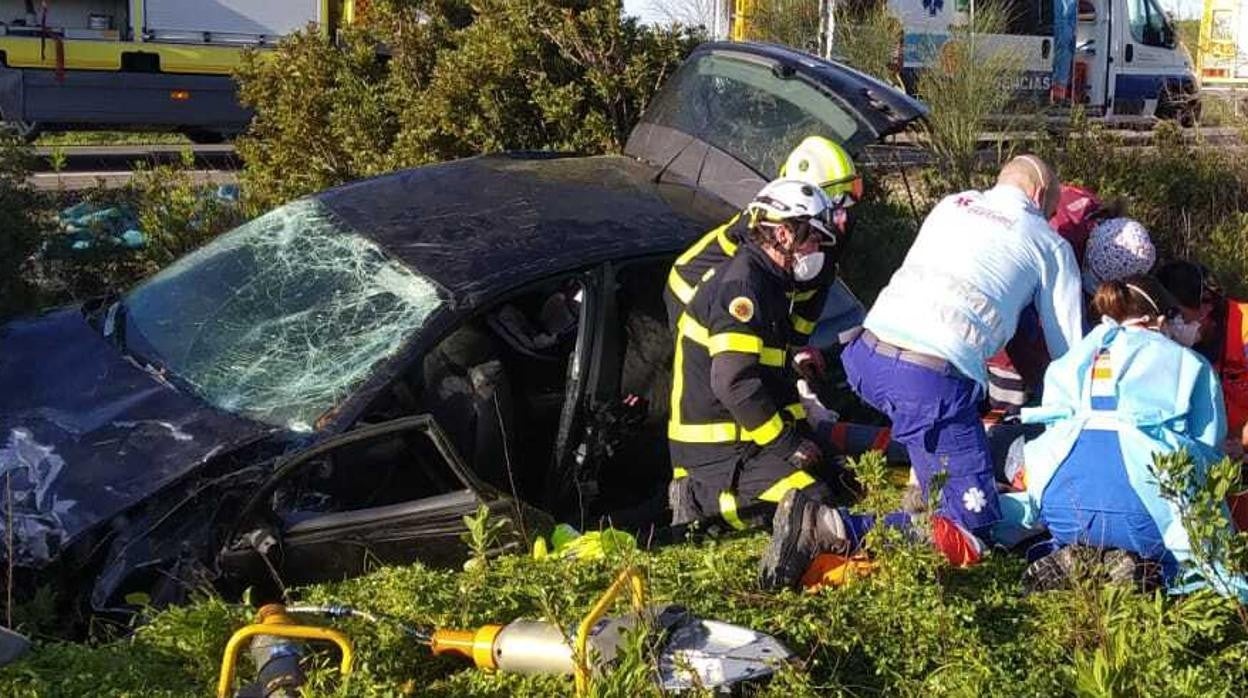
column 1065, row 17
column 935, row 415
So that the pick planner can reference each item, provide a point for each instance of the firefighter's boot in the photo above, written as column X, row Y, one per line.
column 802, row 528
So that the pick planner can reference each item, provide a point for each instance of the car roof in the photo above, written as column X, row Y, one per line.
column 482, row 225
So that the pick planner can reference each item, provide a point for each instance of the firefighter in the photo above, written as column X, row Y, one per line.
column 816, row 160
column 734, row 431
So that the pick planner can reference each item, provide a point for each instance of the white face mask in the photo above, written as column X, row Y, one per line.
column 807, row 266
column 1183, row 332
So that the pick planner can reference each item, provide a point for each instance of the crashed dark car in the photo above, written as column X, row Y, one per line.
column 337, row 382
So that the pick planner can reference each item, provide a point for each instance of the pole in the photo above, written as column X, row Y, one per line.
column 829, row 27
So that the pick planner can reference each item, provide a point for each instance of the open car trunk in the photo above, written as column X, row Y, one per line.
column 728, row 118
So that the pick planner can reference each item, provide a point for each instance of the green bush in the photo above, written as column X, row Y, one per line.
column 913, row 628
column 175, row 213
column 1192, row 197
column 790, row 22
column 22, row 214
column 868, row 37
column 968, row 85
column 455, row 81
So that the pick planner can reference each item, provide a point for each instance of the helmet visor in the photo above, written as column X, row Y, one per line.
column 845, row 191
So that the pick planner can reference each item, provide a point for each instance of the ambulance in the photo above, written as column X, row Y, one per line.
column 1129, row 65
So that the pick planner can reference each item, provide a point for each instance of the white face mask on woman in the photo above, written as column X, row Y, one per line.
column 1183, row 332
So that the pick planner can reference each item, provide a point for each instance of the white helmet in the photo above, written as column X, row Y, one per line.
column 795, row 200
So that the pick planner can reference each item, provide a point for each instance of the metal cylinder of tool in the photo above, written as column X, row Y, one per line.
column 533, row 647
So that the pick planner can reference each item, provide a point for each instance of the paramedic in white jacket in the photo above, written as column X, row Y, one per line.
column 978, row 260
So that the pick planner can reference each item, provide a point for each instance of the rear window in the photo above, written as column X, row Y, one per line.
column 744, row 108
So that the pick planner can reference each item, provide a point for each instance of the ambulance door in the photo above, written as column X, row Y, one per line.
column 1145, row 59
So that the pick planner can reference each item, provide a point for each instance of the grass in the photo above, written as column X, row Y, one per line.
column 914, row 628
column 78, row 138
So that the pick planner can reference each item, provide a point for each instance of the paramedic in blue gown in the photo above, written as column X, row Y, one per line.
column 1126, row 392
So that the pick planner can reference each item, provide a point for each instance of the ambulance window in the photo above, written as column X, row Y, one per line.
column 1148, row 24
column 746, row 109
column 1025, row 17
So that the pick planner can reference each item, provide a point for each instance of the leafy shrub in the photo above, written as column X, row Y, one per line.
column 915, row 627
column 455, row 81
column 790, row 22
column 968, row 85
column 176, row 214
column 21, row 217
column 1192, row 197
column 868, row 36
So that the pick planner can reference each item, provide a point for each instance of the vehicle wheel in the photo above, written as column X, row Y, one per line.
column 205, row 137
column 1176, row 105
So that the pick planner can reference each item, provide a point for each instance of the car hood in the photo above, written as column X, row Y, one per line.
column 86, row 433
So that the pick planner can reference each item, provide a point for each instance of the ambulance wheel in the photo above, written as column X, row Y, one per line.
column 1176, row 105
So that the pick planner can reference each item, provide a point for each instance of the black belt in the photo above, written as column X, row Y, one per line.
column 883, row 348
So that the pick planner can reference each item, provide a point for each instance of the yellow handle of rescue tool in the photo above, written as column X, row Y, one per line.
column 629, row 576
column 273, row 620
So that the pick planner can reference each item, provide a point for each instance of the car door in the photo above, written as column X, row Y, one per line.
column 726, row 120
column 282, row 533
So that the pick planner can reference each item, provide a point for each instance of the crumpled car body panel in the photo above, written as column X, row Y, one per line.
column 86, row 433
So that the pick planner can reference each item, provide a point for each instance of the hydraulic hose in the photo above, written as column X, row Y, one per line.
column 422, row 635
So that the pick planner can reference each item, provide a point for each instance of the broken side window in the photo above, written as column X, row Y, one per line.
column 280, row 319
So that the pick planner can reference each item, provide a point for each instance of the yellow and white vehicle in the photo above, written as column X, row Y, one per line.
column 1222, row 56
column 69, row 64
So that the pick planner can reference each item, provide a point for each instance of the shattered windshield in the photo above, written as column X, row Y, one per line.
column 281, row 318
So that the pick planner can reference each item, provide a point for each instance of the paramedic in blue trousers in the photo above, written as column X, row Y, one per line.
column 978, row 260
column 1129, row 390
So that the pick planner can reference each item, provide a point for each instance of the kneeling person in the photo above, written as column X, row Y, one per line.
column 734, row 433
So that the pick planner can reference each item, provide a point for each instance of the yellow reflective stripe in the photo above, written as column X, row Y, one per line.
column 771, row 356
column 803, row 325
column 678, row 373
column 729, row 247
column 728, row 510
column 797, row 410
column 795, row 480
column 697, row 247
column 679, row 472
column 802, row 296
column 683, row 289
column 715, row 433
column 680, row 287
column 744, row 343
column 766, row 433
column 734, row 341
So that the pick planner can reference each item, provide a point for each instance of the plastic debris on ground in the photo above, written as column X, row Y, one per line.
column 91, row 228
column 94, row 228
column 567, row 543
column 833, row 570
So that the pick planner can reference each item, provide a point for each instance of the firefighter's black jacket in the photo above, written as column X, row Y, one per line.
column 732, row 391
column 718, row 246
